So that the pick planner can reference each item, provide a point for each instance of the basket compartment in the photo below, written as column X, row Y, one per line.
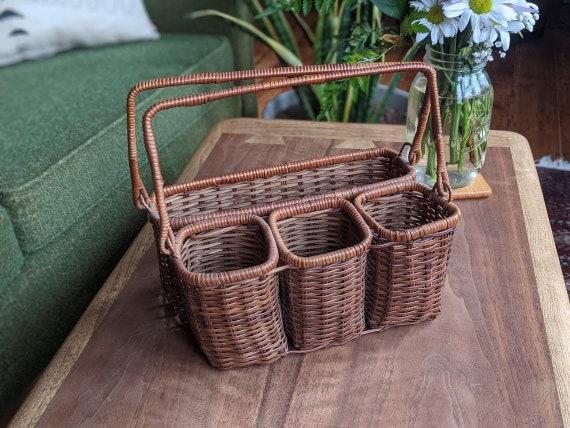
column 263, row 190
column 225, row 272
column 407, row 263
column 322, row 292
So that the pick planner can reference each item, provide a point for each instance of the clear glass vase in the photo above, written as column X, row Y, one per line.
column 466, row 98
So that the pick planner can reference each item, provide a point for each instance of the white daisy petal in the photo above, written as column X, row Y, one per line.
column 505, row 39
column 420, row 37
column 464, row 21
column 429, row 3
column 515, row 26
column 434, row 35
column 447, row 29
column 453, row 9
column 453, row 12
column 476, row 29
column 418, row 5
column 497, row 18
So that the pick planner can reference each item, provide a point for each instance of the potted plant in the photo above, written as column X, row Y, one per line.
column 338, row 31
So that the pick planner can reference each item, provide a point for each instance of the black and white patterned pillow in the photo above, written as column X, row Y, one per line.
column 32, row 29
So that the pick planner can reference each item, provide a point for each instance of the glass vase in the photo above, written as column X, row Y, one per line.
column 466, row 98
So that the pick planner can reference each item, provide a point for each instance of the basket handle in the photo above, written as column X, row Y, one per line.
column 314, row 77
column 138, row 187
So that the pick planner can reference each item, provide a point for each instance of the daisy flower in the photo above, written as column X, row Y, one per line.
column 437, row 24
column 527, row 15
column 483, row 15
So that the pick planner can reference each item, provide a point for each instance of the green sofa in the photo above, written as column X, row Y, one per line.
column 66, row 213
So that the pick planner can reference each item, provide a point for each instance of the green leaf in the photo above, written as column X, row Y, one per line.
column 363, row 82
column 393, row 8
column 367, row 55
column 297, row 6
column 409, row 25
column 285, row 54
column 269, row 11
column 324, row 6
column 307, row 6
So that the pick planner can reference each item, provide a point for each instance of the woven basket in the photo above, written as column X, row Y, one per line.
column 219, row 262
column 262, row 190
column 226, row 271
column 325, row 244
column 407, row 265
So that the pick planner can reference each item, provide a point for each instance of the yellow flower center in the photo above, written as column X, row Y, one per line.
column 481, row 6
column 435, row 15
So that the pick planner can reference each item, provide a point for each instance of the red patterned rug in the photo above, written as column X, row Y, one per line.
column 556, row 188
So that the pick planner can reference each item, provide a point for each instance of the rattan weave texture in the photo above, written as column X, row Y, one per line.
column 219, row 259
column 226, row 270
column 407, row 265
column 325, row 244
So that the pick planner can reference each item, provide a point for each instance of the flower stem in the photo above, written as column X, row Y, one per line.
column 467, row 130
column 430, row 167
column 455, row 119
column 428, row 145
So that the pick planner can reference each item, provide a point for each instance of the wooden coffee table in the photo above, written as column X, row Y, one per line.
column 498, row 355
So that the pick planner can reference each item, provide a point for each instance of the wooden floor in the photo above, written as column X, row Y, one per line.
column 532, row 85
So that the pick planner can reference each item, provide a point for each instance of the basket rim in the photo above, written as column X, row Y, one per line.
column 269, row 172
column 414, row 233
column 208, row 279
column 286, row 168
column 315, row 207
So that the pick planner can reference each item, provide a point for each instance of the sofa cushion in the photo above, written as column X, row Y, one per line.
column 63, row 142
column 39, row 308
column 11, row 258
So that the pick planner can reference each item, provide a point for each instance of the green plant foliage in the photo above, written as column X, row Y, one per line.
column 409, row 26
column 351, row 31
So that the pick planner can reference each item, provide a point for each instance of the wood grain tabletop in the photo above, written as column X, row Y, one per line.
column 498, row 355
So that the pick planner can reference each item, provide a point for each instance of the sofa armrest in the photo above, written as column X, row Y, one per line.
column 171, row 16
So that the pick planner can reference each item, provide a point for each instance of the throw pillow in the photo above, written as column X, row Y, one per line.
column 31, row 29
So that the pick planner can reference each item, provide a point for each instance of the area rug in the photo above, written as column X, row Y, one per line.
column 555, row 185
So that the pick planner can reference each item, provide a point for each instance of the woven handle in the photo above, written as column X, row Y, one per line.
column 308, row 75
column 138, row 187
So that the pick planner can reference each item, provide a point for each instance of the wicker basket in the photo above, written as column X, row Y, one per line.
column 262, row 190
column 407, row 265
column 325, row 244
column 226, row 271
column 210, row 258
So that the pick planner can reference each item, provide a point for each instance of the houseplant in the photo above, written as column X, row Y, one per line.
column 337, row 31
column 461, row 36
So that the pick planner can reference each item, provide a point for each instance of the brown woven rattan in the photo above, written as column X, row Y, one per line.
column 226, row 271
column 175, row 206
column 262, row 190
column 324, row 243
column 407, row 264
column 219, row 261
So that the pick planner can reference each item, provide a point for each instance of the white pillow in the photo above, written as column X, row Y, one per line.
column 31, row 29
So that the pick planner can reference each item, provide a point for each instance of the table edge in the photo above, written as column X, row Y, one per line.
column 554, row 302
